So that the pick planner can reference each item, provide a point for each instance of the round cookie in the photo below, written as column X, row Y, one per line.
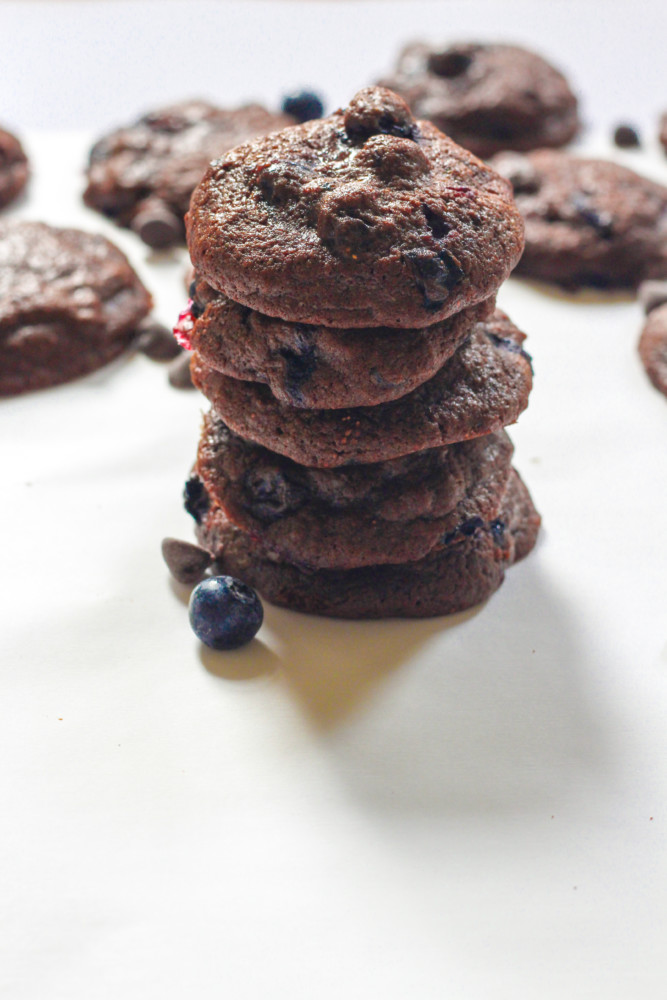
column 142, row 176
column 483, row 387
column 487, row 97
column 320, row 367
column 588, row 222
column 390, row 512
column 456, row 577
column 653, row 347
column 662, row 135
column 69, row 303
column 364, row 218
column 13, row 168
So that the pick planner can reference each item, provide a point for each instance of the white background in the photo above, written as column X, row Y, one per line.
column 469, row 808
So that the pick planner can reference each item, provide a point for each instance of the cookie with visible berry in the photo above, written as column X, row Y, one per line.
column 387, row 512
column 653, row 346
column 13, row 168
column 455, row 577
column 142, row 176
column 69, row 303
column 588, row 222
column 365, row 218
column 483, row 387
column 321, row 367
column 487, row 97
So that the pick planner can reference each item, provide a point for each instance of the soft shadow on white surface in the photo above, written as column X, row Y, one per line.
column 332, row 667
column 248, row 663
column 483, row 711
column 500, row 721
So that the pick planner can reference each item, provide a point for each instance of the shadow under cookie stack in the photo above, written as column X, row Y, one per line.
column 344, row 329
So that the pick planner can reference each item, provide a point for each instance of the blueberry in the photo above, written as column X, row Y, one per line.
column 300, row 363
column 601, row 222
column 225, row 613
column 498, row 530
column 303, row 105
column 435, row 275
column 195, row 498
column 470, row 526
column 270, row 494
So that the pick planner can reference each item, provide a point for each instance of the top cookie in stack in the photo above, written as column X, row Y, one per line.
column 344, row 328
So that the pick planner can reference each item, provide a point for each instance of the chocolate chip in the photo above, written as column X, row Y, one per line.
column 187, row 563
column 378, row 110
column 435, row 274
column 195, row 498
column 626, row 137
column 271, row 494
column 157, row 225
column 450, row 63
column 179, row 372
column 652, row 294
column 157, row 341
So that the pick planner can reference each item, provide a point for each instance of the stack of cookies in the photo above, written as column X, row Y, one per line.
column 344, row 328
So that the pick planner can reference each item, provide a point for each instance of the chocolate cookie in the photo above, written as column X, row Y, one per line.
column 319, row 367
column 142, row 176
column 13, row 168
column 663, row 131
column 455, row 577
column 487, row 97
column 588, row 222
column 653, row 347
column 482, row 388
column 364, row 218
column 69, row 303
column 389, row 512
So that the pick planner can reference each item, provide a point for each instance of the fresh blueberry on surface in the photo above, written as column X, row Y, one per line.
column 303, row 105
column 225, row 613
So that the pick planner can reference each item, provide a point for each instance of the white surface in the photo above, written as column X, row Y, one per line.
column 463, row 808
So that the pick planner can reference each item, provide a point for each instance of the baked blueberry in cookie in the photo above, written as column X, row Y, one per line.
column 451, row 578
column 483, row 387
column 142, row 175
column 360, row 515
column 487, row 97
column 69, row 303
column 368, row 217
column 320, row 367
